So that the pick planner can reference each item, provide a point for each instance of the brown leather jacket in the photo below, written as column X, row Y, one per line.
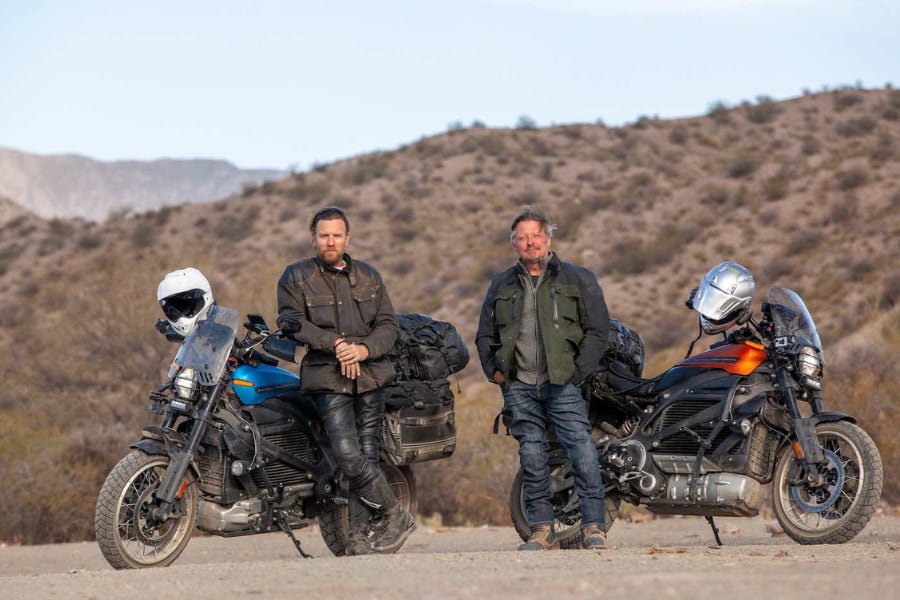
column 352, row 303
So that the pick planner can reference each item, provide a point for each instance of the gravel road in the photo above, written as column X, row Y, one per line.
column 662, row 558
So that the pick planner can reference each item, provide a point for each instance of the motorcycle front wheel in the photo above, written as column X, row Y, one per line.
column 337, row 522
column 836, row 511
column 127, row 535
column 566, row 508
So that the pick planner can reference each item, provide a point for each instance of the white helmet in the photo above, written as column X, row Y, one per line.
column 185, row 297
column 724, row 296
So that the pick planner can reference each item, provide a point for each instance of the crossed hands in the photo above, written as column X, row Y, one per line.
column 350, row 355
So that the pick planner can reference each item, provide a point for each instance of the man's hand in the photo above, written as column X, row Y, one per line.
column 498, row 377
column 350, row 355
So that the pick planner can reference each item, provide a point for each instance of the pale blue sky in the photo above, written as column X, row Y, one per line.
column 279, row 84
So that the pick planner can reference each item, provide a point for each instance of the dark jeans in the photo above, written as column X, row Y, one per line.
column 353, row 425
column 531, row 409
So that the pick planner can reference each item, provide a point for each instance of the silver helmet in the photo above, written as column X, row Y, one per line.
column 724, row 296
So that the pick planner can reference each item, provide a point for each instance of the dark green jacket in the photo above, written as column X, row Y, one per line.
column 329, row 303
column 572, row 313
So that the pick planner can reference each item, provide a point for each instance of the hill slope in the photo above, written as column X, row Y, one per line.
column 805, row 192
column 68, row 186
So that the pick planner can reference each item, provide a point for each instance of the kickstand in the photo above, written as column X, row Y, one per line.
column 715, row 530
column 284, row 527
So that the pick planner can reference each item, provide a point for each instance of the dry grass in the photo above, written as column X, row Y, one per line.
column 804, row 192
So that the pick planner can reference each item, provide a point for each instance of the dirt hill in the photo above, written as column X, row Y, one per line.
column 805, row 192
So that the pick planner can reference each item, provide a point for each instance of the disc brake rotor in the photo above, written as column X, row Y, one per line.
column 817, row 500
column 146, row 529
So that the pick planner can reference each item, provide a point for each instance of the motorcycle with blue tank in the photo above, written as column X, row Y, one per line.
column 238, row 451
column 718, row 432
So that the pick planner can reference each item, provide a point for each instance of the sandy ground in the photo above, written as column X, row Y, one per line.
column 663, row 558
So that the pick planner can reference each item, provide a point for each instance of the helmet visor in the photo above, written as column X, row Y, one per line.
column 715, row 304
column 184, row 304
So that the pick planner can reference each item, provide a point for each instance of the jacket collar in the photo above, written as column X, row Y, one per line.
column 348, row 270
column 549, row 266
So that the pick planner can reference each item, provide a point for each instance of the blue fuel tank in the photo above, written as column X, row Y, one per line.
column 253, row 385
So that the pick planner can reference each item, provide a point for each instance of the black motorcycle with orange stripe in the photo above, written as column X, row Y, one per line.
column 719, row 432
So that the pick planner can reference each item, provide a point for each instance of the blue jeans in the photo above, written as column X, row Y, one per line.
column 531, row 409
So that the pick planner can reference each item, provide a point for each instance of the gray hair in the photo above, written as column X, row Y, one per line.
column 532, row 214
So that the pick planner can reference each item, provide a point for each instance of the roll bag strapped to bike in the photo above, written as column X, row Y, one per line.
column 420, row 421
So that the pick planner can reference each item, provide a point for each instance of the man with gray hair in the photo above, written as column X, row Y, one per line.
column 542, row 332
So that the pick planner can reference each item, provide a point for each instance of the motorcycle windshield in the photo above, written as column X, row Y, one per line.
column 207, row 347
column 793, row 324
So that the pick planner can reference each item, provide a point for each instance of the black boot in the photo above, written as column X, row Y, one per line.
column 397, row 522
column 357, row 543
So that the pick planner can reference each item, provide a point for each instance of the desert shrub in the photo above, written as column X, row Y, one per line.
column 775, row 269
column 884, row 147
column 678, row 135
column 573, row 132
column 856, row 127
column 404, row 232
column 742, row 165
column 232, row 227
column 844, row 210
column 248, row 188
column 49, row 245
column 802, row 241
column 810, row 145
column 525, row 122
column 890, row 295
column 527, row 197
column 366, row 168
column 777, row 187
column 630, row 256
column 720, row 113
column 893, row 98
column 89, row 241
column 767, row 217
column 764, row 111
column 851, row 179
column 144, row 234
column 312, row 189
column 845, row 99
column 546, row 172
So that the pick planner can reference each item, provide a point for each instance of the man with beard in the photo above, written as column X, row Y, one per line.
column 348, row 324
column 542, row 332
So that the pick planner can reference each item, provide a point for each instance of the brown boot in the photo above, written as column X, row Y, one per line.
column 594, row 538
column 542, row 538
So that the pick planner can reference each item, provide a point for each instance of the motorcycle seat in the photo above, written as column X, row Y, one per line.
column 303, row 401
column 617, row 377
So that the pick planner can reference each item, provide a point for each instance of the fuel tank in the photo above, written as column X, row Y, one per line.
column 734, row 359
column 253, row 385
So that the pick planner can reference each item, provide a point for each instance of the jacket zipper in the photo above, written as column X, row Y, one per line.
column 555, row 307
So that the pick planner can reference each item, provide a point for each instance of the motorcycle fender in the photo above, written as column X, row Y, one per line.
column 151, row 446
column 831, row 417
column 158, row 448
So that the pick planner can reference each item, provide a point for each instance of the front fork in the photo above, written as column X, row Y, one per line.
column 806, row 446
column 172, row 486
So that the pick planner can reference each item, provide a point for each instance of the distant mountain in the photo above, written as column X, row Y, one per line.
column 70, row 185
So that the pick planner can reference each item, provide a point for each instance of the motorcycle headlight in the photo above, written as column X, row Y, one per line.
column 186, row 383
column 810, row 367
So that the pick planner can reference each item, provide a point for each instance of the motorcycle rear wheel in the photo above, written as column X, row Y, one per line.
column 127, row 537
column 566, row 508
column 335, row 523
column 837, row 511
